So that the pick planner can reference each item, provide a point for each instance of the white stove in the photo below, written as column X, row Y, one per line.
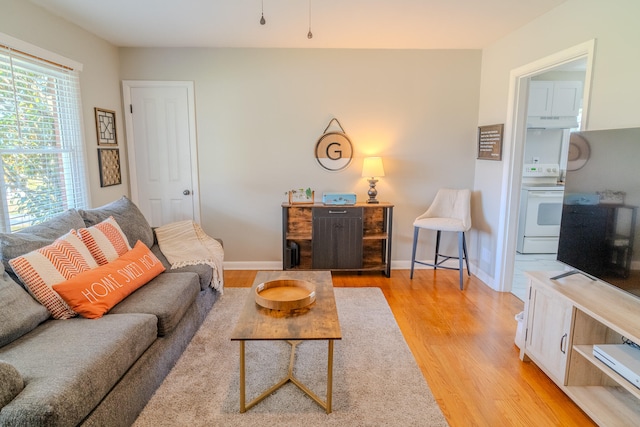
column 550, row 187
column 540, row 209
column 540, row 174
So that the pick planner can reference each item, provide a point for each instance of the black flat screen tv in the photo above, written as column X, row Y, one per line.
column 599, row 230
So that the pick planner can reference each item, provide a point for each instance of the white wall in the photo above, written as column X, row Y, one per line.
column 99, row 81
column 260, row 113
column 614, row 93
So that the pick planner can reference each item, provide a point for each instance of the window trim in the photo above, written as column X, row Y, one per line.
column 38, row 52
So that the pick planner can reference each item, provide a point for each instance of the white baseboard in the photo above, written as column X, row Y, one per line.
column 395, row 265
column 252, row 265
column 277, row 265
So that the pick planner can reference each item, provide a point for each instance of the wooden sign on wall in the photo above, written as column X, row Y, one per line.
column 490, row 142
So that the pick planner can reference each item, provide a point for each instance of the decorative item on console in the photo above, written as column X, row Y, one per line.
column 338, row 198
column 371, row 169
column 300, row 196
column 610, row 197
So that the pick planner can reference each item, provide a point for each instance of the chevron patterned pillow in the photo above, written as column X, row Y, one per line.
column 105, row 241
column 60, row 261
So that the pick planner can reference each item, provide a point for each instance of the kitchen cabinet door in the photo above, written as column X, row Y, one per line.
column 566, row 98
column 551, row 98
column 540, row 98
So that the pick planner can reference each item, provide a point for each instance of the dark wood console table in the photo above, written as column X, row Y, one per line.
column 339, row 238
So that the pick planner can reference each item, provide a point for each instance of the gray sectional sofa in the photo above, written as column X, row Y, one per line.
column 93, row 372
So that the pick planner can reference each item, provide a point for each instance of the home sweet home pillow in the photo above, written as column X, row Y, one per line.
column 93, row 293
column 39, row 270
column 105, row 241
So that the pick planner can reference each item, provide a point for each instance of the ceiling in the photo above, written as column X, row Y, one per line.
column 356, row 24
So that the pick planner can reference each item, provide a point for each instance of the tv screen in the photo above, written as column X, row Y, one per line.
column 599, row 231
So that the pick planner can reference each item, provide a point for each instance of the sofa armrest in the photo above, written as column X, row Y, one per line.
column 12, row 383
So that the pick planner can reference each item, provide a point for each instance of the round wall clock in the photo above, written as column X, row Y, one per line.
column 334, row 150
column 579, row 152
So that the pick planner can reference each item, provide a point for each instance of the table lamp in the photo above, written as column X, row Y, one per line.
column 372, row 168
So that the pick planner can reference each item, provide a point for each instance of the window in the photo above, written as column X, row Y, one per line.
column 41, row 146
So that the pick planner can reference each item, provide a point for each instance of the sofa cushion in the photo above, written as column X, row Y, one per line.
column 105, row 241
column 12, row 383
column 29, row 239
column 167, row 297
column 127, row 215
column 19, row 312
column 92, row 293
column 69, row 366
column 41, row 269
column 204, row 271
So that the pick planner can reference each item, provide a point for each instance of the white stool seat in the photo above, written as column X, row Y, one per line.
column 450, row 211
column 444, row 224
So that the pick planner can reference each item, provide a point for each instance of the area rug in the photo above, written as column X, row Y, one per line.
column 376, row 379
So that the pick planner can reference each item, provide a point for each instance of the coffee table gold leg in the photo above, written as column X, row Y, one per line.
column 330, row 377
column 242, row 390
column 290, row 377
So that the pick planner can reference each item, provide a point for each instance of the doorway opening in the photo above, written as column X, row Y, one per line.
column 554, row 110
column 576, row 60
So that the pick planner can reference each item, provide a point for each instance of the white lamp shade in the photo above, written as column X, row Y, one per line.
column 372, row 167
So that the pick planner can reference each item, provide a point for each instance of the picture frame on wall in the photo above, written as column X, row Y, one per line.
column 109, row 165
column 490, row 142
column 106, row 127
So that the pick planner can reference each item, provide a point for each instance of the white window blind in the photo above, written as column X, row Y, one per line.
column 41, row 146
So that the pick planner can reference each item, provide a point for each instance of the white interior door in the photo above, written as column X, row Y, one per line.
column 161, row 141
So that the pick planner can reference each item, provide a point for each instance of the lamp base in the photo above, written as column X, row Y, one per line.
column 372, row 191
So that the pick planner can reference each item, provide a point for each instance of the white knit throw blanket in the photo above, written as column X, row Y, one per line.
column 185, row 243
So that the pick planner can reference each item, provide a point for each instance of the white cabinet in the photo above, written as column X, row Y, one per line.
column 548, row 333
column 554, row 98
column 565, row 319
column 540, row 98
column 567, row 98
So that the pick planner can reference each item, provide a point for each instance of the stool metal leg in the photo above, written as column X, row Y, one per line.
column 435, row 259
column 416, row 230
column 460, row 255
column 466, row 257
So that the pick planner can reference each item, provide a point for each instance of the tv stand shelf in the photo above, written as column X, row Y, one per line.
column 565, row 318
column 586, row 351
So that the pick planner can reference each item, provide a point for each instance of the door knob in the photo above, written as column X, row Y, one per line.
column 186, row 192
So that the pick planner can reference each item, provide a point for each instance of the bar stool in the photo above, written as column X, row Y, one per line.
column 450, row 211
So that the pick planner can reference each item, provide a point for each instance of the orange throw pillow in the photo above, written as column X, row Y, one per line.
column 92, row 293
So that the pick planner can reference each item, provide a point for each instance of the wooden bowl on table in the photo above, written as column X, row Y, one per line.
column 285, row 294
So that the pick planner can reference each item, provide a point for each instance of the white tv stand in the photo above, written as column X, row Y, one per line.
column 564, row 319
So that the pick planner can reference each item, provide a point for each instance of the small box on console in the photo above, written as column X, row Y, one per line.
column 339, row 198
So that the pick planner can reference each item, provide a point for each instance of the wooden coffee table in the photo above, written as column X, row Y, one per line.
column 319, row 321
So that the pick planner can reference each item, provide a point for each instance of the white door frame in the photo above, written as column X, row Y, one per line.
column 127, row 85
column 515, row 130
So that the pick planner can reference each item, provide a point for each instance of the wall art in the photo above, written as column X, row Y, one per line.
column 106, row 127
column 109, row 163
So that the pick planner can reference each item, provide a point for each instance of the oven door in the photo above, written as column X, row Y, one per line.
column 543, row 213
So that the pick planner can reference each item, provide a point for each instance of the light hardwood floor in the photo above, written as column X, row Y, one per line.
column 463, row 343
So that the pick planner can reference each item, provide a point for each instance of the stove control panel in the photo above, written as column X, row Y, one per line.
column 540, row 170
